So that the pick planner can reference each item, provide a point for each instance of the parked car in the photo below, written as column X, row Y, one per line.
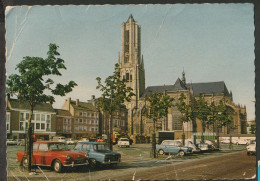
column 100, row 139
column 83, row 139
column 213, row 144
column 71, row 141
column 21, row 142
column 225, row 141
column 240, row 141
column 98, row 153
column 189, row 143
column 59, row 139
column 203, row 146
column 251, row 148
column 53, row 154
column 11, row 142
column 123, row 142
column 174, row 147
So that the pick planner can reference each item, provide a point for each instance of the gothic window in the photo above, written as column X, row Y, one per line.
column 127, row 77
column 130, row 78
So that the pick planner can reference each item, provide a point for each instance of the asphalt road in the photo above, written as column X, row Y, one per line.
column 136, row 164
column 235, row 165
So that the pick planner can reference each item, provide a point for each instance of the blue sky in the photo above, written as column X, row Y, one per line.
column 212, row 42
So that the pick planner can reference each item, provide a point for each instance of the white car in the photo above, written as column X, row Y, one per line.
column 71, row 141
column 251, row 148
column 11, row 142
column 123, row 142
column 240, row 141
column 225, row 141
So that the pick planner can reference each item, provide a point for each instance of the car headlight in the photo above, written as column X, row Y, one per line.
column 68, row 157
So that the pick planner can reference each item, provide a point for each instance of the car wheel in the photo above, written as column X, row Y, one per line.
column 57, row 166
column 114, row 165
column 24, row 162
column 161, row 152
column 181, row 153
column 248, row 153
column 92, row 163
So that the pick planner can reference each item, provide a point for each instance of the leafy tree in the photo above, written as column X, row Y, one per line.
column 188, row 112
column 158, row 105
column 252, row 128
column 224, row 116
column 33, row 81
column 203, row 111
column 212, row 116
column 114, row 95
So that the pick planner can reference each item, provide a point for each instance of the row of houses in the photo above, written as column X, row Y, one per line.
column 75, row 119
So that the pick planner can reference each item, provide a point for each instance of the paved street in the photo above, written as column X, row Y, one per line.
column 137, row 164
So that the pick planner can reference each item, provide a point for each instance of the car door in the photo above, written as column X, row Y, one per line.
column 42, row 152
column 35, row 153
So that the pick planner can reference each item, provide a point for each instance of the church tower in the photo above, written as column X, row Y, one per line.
column 131, row 61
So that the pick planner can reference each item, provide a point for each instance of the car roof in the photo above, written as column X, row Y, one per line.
column 87, row 142
column 46, row 142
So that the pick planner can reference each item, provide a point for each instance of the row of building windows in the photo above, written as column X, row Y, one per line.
column 85, row 128
column 36, row 126
column 87, row 114
column 24, row 116
column 118, row 123
column 84, row 121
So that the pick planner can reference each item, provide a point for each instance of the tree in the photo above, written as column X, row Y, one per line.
column 32, row 83
column 212, row 117
column 187, row 111
column 114, row 95
column 224, row 115
column 203, row 111
column 252, row 128
column 158, row 107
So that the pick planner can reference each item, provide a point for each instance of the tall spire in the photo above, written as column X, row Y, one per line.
column 183, row 77
column 131, row 17
column 119, row 58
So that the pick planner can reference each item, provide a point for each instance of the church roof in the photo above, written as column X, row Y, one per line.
column 179, row 85
column 209, row 88
column 216, row 88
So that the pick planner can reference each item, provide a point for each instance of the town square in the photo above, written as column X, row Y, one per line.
column 130, row 92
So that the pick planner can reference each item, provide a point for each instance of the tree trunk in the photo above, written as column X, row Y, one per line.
column 110, row 132
column 29, row 141
column 203, row 130
column 153, row 140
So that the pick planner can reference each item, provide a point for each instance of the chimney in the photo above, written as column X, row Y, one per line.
column 77, row 102
column 93, row 100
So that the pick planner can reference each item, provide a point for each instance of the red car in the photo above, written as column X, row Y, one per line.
column 53, row 154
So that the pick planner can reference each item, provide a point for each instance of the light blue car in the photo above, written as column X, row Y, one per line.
column 98, row 153
column 173, row 147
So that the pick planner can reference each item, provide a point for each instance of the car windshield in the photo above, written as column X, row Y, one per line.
column 100, row 147
column 124, row 139
column 58, row 146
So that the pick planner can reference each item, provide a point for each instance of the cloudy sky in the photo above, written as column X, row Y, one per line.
column 212, row 42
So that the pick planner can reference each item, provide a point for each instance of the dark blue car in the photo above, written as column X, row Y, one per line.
column 98, row 153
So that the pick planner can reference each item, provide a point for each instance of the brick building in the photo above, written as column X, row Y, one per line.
column 17, row 114
column 82, row 118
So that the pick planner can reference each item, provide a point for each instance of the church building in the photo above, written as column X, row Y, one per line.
column 131, row 64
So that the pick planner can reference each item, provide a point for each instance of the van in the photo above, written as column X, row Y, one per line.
column 59, row 138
